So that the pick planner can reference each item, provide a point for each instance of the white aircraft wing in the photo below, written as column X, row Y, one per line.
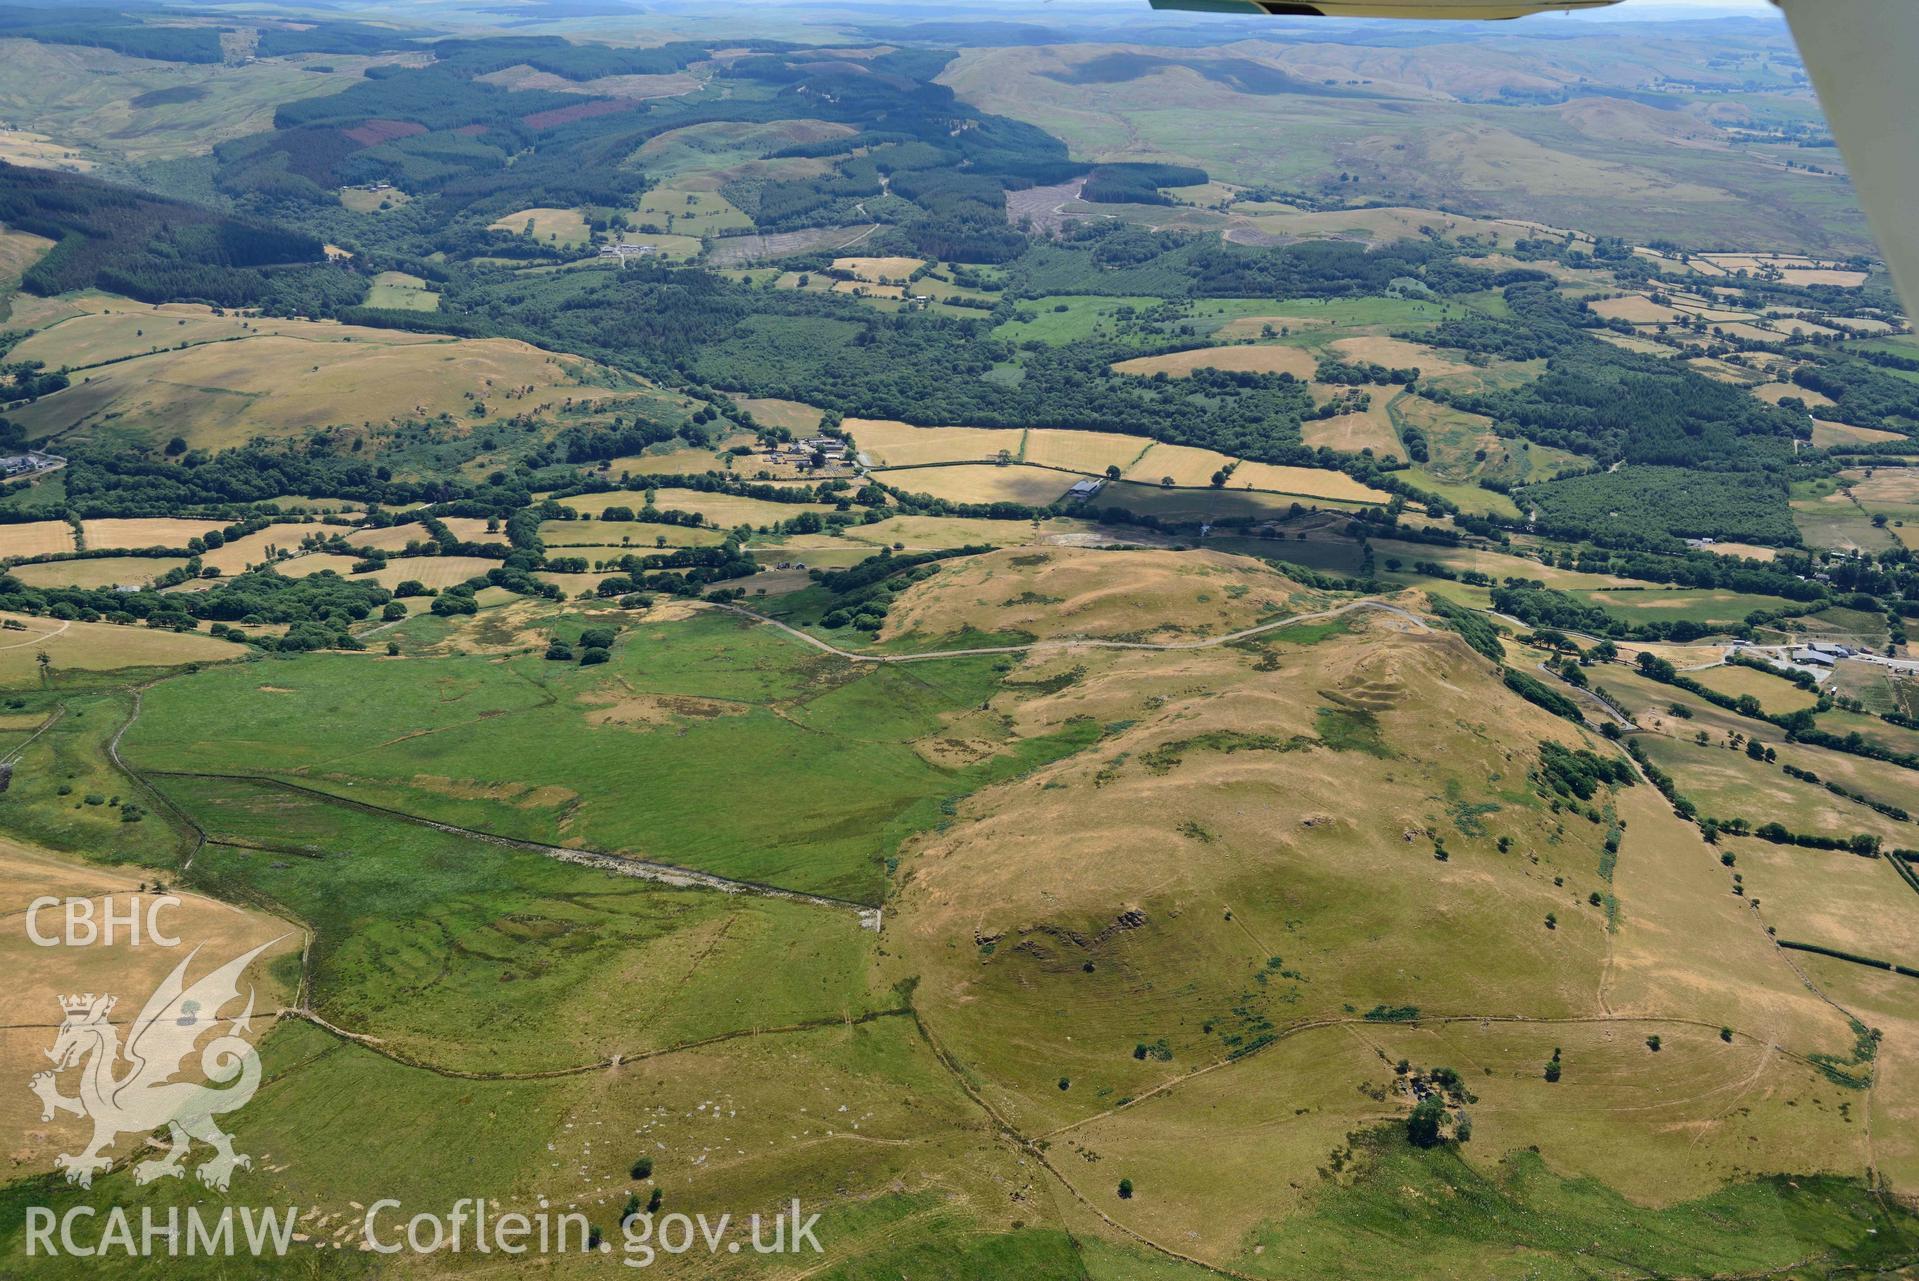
column 1863, row 56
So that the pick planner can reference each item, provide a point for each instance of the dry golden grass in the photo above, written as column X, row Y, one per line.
column 144, row 531
column 675, row 462
column 889, row 443
column 611, row 538
column 1630, row 342
column 1720, row 371
column 36, row 538
column 96, row 647
column 19, row 250
column 101, row 571
column 437, row 572
column 257, row 548
column 1837, row 900
column 473, row 529
column 1189, row 466
column 1079, row 591
column 1240, row 359
column 1884, row 1001
column 1656, row 1128
column 865, row 290
column 983, row 483
column 1829, row 434
column 548, row 226
column 1221, row 813
column 39, row 977
column 1749, row 551
column 1685, row 943
column 1773, row 393
column 723, row 510
column 317, row 563
column 1793, row 269
column 774, row 412
column 880, row 269
column 1309, row 482
column 239, row 377
column 392, row 538
column 38, row 151
column 1351, row 433
column 571, row 584
column 1397, row 353
column 1775, row 694
column 920, row 533
column 1887, row 486
column 1637, row 308
column 1091, row 452
column 1183, row 464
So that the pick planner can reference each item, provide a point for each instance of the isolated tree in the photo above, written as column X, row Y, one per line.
column 1425, row 1127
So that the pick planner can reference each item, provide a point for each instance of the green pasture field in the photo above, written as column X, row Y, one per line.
column 1470, row 498
column 1826, row 517
column 401, row 292
column 736, row 1127
column 1067, row 318
column 816, row 763
column 1458, row 440
column 471, row 955
column 1776, row 694
column 690, row 213
column 1726, row 784
column 1681, row 604
column 1891, row 737
column 65, row 793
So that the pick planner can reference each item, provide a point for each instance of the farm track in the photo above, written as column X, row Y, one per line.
column 1046, row 646
column 642, row 869
column 379, row 1047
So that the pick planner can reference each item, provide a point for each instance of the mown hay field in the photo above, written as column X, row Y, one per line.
column 97, row 571
column 145, row 531
column 1091, row 452
column 36, row 538
column 889, row 443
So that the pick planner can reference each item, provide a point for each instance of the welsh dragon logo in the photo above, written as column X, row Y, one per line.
column 130, row 1089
